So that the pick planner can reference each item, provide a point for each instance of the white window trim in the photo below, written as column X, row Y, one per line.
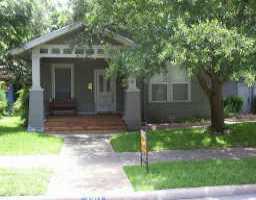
column 169, row 91
column 63, row 65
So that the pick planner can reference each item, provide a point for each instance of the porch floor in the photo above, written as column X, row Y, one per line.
column 100, row 123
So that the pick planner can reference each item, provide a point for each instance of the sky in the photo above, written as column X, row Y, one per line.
column 60, row 4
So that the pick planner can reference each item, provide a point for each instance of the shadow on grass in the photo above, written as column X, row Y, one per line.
column 240, row 135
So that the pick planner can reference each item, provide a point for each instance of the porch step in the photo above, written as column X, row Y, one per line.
column 96, row 123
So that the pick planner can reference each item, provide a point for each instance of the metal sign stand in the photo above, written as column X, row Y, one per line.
column 144, row 149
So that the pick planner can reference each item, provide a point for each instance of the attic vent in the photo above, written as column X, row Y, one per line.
column 56, row 51
column 44, row 51
column 89, row 51
column 67, row 51
column 79, row 51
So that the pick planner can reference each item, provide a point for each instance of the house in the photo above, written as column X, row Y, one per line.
column 71, row 77
column 239, row 88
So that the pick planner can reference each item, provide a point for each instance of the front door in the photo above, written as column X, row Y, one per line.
column 104, row 92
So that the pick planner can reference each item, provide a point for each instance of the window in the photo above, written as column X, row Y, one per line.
column 171, row 86
column 159, row 92
column 180, row 91
column 158, row 88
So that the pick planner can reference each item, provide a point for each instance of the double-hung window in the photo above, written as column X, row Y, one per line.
column 159, row 88
column 170, row 86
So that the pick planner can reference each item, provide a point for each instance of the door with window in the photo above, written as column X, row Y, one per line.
column 104, row 92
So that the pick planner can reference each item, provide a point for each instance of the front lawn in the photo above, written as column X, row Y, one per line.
column 15, row 140
column 21, row 182
column 178, row 174
column 241, row 135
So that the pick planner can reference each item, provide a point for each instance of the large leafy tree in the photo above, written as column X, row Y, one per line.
column 21, row 20
column 14, row 29
column 213, row 39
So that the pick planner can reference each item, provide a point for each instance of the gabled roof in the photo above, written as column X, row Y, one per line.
column 63, row 31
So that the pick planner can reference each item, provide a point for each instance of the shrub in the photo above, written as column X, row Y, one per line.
column 3, row 100
column 233, row 104
column 21, row 105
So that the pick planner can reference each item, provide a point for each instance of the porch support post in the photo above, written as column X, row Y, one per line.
column 36, row 97
column 132, row 107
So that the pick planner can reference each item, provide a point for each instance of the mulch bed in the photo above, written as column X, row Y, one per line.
column 204, row 123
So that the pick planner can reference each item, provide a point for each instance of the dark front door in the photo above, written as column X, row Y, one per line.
column 62, row 83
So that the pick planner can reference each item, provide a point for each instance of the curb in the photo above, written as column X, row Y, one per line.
column 171, row 194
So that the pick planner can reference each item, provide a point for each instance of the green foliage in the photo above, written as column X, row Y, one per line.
column 233, row 104
column 214, row 40
column 212, row 48
column 3, row 100
column 21, row 20
column 21, row 105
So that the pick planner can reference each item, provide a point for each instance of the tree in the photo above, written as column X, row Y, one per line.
column 214, row 54
column 14, row 29
column 21, row 20
column 213, row 39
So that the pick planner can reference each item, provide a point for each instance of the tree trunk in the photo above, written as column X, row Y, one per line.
column 217, row 107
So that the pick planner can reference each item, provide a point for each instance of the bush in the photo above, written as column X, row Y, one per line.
column 233, row 104
column 21, row 105
column 3, row 100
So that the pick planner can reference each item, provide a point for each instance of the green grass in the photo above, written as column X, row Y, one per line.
column 178, row 174
column 15, row 140
column 241, row 135
column 20, row 182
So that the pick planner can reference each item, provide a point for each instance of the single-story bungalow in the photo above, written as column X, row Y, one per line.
column 69, row 79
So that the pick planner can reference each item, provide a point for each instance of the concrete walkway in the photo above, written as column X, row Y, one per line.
column 88, row 165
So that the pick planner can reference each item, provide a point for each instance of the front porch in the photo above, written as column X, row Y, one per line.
column 77, row 86
column 65, row 69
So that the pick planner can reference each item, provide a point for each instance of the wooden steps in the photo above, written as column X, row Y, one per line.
column 79, row 124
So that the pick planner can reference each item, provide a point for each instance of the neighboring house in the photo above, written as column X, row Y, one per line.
column 233, row 88
column 72, row 77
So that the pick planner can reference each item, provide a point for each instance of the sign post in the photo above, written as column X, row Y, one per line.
column 144, row 149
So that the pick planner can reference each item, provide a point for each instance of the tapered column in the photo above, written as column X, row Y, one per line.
column 36, row 97
column 132, row 107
